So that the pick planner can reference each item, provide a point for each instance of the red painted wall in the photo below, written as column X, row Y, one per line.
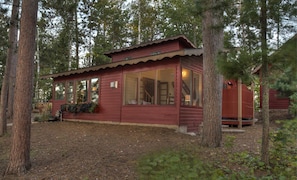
column 143, row 52
column 276, row 102
column 230, row 102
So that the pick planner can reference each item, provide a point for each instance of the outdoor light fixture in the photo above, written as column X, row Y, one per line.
column 114, row 84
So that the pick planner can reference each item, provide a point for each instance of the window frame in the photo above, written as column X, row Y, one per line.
column 138, row 98
column 188, row 100
column 74, row 90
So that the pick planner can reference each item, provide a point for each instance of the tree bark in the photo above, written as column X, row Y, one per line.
column 265, row 85
column 7, row 91
column 212, row 81
column 19, row 160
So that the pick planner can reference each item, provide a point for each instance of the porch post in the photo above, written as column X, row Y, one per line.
column 239, row 105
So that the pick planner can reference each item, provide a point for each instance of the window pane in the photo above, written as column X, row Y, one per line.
column 166, row 86
column 60, row 91
column 81, row 91
column 70, row 92
column 186, row 87
column 95, row 90
column 147, row 87
column 197, row 91
column 131, row 86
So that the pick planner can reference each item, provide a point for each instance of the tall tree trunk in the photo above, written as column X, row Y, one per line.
column 76, row 36
column 19, row 160
column 7, row 84
column 212, row 81
column 265, row 85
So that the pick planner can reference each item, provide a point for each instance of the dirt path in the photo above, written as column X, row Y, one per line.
column 68, row 150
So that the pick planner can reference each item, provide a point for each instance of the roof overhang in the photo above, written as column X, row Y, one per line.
column 180, row 38
column 181, row 53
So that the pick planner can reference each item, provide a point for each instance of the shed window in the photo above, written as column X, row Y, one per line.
column 150, row 87
column 59, row 91
column 191, row 94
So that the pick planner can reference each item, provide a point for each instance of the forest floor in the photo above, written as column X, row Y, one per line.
column 69, row 150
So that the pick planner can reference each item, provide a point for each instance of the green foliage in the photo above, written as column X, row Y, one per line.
column 238, row 65
column 44, row 116
column 229, row 141
column 283, row 153
column 250, row 161
column 80, row 108
column 4, row 22
column 293, row 104
column 176, row 165
column 285, row 82
column 184, row 165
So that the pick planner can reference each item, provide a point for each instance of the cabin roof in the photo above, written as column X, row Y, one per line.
column 180, row 38
column 180, row 53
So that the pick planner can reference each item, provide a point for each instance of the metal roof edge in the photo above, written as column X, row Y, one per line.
column 183, row 52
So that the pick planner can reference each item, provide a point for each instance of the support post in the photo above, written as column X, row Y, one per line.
column 239, row 105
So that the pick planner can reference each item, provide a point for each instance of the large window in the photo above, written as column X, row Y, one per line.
column 78, row 91
column 191, row 94
column 59, row 91
column 150, row 87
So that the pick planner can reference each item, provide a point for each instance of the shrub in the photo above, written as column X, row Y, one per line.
column 77, row 108
column 283, row 153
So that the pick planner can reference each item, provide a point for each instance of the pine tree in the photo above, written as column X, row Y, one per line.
column 212, row 81
column 19, row 161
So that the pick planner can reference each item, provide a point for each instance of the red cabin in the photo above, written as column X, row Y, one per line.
column 157, row 83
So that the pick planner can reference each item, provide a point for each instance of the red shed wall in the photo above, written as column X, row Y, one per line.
column 147, row 51
column 276, row 102
column 191, row 117
column 230, row 103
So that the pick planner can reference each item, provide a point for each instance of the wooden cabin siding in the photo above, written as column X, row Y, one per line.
column 150, row 114
column 247, row 103
column 230, row 103
column 191, row 117
column 193, row 63
column 110, row 99
column 276, row 102
column 143, row 52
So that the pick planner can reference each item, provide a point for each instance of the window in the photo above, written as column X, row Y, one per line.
column 131, row 88
column 81, row 91
column 191, row 94
column 150, row 87
column 95, row 90
column 59, row 91
column 70, row 97
column 166, row 86
column 78, row 91
column 147, row 87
